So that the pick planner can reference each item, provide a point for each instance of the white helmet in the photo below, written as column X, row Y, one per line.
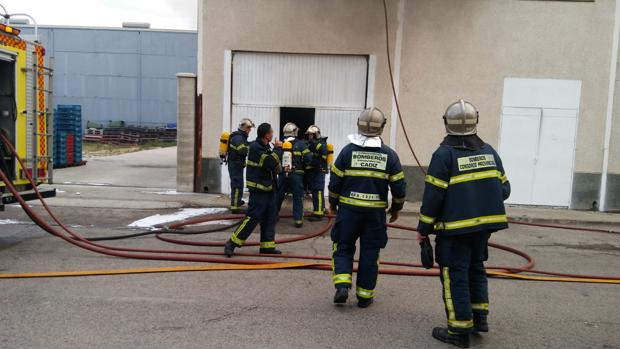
column 246, row 125
column 290, row 130
column 315, row 131
column 461, row 119
column 371, row 122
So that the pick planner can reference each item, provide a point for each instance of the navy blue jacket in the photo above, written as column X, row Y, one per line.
column 319, row 155
column 263, row 166
column 361, row 177
column 238, row 146
column 465, row 189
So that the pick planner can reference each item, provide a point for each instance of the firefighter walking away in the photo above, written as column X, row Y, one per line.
column 358, row 190
column 237, row 153
column 463, row 205
column 263, row 167
column 316, row 171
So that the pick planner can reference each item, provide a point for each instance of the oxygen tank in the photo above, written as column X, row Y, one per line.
column 330, row 154
column 224, row 137
column 287, row 155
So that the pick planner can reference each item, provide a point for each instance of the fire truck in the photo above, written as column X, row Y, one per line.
column 25, row 113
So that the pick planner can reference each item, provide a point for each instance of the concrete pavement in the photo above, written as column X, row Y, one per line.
column 279, row 308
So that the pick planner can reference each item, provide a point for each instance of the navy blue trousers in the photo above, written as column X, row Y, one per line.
column 235, row 172
column 292, row 183
column 316, row 184
column 261, row 210
column 369, row 226
column 463, row 278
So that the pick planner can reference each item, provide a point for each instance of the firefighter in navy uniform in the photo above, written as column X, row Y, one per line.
column 358, row 189
column 292, row 179
column 463, row 204
column 263, row 166
column 316, row 171
column 237, row 154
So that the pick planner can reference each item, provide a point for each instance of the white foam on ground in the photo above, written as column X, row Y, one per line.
column 167, row 192
column 10, row 221
column 182, row 214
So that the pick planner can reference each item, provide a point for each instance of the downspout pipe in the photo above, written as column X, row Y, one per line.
column 610, row 109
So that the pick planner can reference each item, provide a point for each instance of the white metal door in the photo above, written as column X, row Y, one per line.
column 537, row 139
column 334, row 85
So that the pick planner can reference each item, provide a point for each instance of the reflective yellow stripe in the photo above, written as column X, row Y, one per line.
column 452, row 321
column 341, row 279
column 251, row 184
column 427, row 219
column 473, row 222
column 297, row 153
column 305, row 151
column 334, row 195
column 480, row 306
column 234, row 237
column 366, row 173
column 334, row 249
column 268, row 244
column 337, row 171
column 239, row 147
column 475, row 176
column 318, row 146
column 436, row 182
column 320, row 205
column 397, row 177
column 236, row 199
column 364, row 293
column 252, row 163
column 398, row 200
column 363, row 203
column 503, row 178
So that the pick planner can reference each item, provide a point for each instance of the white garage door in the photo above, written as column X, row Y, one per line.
column 537, row 141
column 334, row 85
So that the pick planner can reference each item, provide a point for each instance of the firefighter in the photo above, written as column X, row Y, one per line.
column 315, row 172
column 263, row 166
column 292, row 179
column 358, row 190
column 463, row 204
column 237, row 154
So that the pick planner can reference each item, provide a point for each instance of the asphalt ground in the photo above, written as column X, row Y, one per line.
column 287, row 308
column 277, row 308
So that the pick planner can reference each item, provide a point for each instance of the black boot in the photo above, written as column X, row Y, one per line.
column 458, row 340
column 341, row 295
column 315, row 218
column 229, row 248
column 269, row 251
column 364, row 302
column 299, row 224
column 480, row 323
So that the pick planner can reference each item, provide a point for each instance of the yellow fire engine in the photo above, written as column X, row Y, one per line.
column 25, row 111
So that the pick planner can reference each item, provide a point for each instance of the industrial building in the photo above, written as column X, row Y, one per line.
column 542, row 74
column 117, row 73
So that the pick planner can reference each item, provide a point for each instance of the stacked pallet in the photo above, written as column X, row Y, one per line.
column 130, row 135
column 67, row 135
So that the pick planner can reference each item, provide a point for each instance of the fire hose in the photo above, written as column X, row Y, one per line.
column 244, row 264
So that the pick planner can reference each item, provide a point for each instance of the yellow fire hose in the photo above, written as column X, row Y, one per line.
column 272, row 266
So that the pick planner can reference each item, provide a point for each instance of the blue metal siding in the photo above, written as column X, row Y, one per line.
column 119, row 74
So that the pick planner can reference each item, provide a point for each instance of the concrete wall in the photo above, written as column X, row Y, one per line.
column 119, row 74
column 450, row 49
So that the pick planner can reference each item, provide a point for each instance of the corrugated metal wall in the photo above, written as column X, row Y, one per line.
column 335, row 85
column 119, row 74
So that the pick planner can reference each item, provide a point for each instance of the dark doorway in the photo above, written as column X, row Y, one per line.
column 8, row 112
column 302, row 117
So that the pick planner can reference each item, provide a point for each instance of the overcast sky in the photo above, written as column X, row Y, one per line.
column 167, row 14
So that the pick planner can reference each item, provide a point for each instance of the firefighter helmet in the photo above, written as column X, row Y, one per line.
column 371, row 122
column 290, row 130
column 461, row 119
column 314, row 131
column 246, row 125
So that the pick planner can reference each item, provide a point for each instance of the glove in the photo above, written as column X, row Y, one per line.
column 393, row 215
column 426, row 253
column 333, row 209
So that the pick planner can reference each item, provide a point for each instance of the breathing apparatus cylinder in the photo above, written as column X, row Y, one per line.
column 287, row 156
column 330, row 154
column 223, row 149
